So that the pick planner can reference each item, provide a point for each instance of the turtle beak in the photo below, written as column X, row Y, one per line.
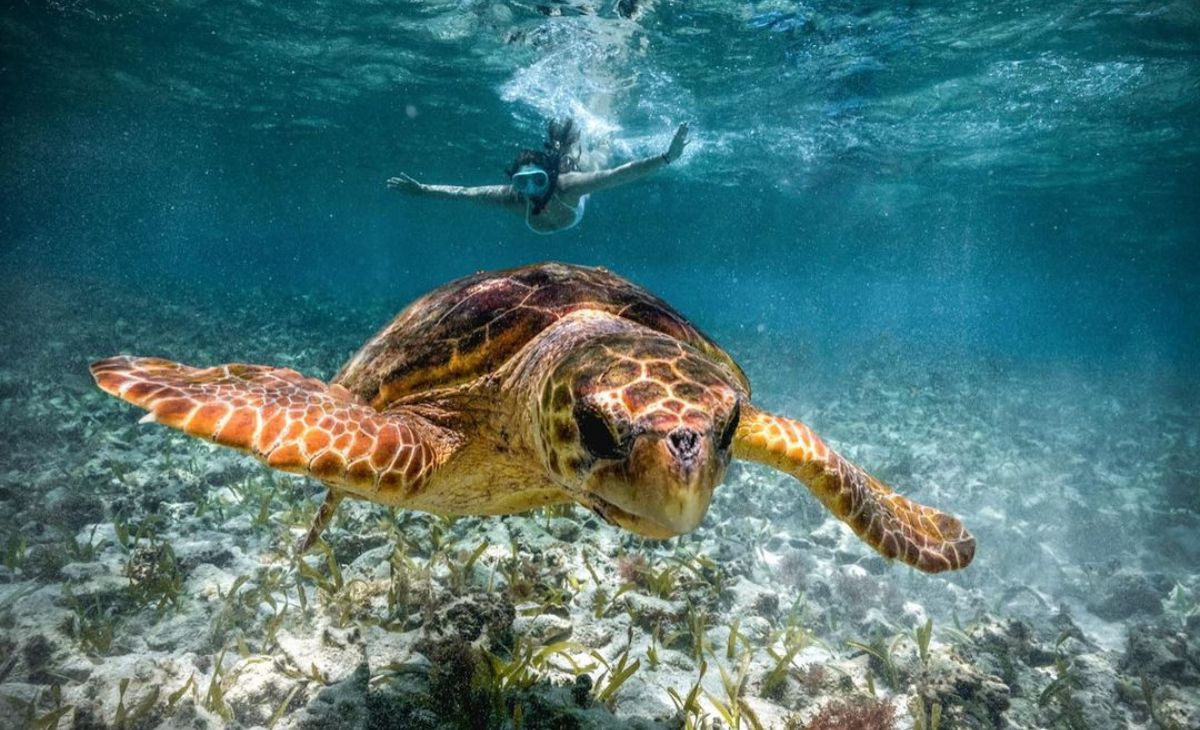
column 664, row 487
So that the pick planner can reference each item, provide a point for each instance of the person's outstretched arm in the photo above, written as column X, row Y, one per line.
column 502, row 194
column 582, row 183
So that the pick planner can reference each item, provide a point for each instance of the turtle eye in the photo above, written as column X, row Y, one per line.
column 595, row 434
column 730, row 429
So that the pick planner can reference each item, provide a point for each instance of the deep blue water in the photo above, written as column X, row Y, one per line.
column 982, row 179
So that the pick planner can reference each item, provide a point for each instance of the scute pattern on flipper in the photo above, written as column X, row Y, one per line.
column 290, row 422
column 897, row 527
column 473, row 325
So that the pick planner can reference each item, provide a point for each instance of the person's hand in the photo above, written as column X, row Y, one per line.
column 678, row 142
column 404, row 182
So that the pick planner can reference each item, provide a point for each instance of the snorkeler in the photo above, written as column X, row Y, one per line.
column 546, row 185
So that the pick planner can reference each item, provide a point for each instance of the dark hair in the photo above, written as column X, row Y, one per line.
column 558, row 155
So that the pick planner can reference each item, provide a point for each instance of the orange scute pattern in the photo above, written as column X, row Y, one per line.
column 897, row 527
column 292, row 423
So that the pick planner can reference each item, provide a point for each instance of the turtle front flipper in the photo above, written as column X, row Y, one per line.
column 897, row 527
column 290, row 422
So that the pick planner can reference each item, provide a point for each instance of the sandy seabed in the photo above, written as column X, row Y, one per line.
column 148, row 579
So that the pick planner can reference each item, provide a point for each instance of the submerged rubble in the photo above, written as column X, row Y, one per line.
column 149, row 581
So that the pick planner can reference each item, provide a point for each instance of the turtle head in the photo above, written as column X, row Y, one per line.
column 639, row 429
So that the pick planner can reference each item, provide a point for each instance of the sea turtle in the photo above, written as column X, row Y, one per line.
column 510, row 390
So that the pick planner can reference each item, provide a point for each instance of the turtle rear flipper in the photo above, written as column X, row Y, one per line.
column 923, row 537
column 290, row 422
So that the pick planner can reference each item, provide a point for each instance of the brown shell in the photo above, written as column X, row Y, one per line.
column 471, row 326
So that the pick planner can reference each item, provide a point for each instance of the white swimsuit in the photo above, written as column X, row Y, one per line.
column 578, row 210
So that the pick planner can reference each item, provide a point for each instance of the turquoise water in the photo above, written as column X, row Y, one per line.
column 997, row 177
column 959, row 239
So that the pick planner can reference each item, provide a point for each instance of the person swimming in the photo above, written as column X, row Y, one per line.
column 546, row 185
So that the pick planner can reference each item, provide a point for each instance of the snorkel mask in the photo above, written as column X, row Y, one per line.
column 531, row 181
